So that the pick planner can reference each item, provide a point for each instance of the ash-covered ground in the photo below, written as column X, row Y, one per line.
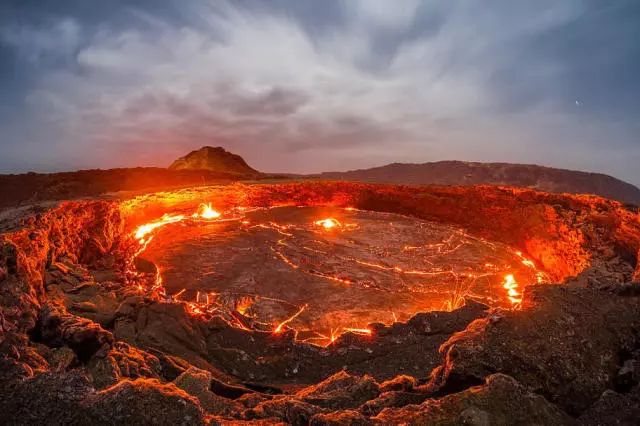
column 335, row 268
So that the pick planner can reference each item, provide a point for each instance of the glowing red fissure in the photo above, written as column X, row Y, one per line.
column 143, row 234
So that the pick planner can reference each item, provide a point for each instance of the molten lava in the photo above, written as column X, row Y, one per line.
column 143, row 230
column 328, row 223
column 427, row 269
column 205, row 211
column 280, row 326
column 511, row 286
column 364, row 331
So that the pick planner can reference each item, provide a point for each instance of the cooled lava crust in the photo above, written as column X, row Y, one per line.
column 88, row 335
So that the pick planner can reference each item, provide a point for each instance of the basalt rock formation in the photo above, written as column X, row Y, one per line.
column 81, row 343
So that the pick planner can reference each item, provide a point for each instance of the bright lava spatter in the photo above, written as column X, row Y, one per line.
column 205, row 211
column 209, row 303
column 328, row 223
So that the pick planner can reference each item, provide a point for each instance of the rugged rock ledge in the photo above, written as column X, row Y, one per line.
column 79, row 345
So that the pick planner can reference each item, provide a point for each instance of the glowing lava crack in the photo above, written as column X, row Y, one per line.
column 283, row 268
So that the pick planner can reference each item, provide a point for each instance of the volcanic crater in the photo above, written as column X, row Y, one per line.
column 323, row 303
column 324, row 270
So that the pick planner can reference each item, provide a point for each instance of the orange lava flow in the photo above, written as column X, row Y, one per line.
column 511, row 286
column 239, row 315
column 205, row 211
column 328, row 223
column 280, row 326
column 366, row 331
column 143, row 230
column 243, row 305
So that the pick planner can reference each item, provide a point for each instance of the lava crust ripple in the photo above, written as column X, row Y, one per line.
column 334, row 269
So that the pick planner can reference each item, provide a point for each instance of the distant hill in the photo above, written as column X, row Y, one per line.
column 469, row 173
column 210, row 165
column 217, row 160
column 207, row 165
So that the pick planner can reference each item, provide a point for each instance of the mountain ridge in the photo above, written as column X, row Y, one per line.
column 453, row 172
column 209, row 165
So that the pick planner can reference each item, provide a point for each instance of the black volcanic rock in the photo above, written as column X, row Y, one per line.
column 214, row 159
column 567, row 356
column 522, row 175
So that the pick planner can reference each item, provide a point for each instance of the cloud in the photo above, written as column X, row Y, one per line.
column 291, row 92
column 381, row 14
column 37, row 44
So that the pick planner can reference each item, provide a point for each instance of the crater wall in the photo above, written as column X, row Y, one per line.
column 76, row 340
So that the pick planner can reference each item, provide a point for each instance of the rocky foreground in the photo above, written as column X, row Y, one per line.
column 79, row 344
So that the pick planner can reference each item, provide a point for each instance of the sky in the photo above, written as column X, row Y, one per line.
column 309, row 86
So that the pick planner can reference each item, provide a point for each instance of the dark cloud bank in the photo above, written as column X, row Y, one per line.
column 306, row 86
